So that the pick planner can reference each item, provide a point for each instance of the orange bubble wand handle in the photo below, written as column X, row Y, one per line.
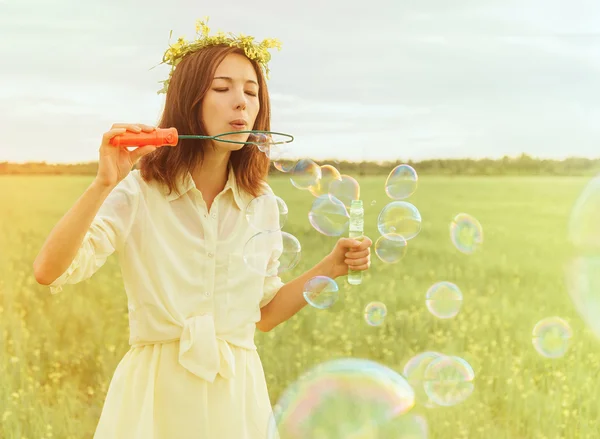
column 158, row 137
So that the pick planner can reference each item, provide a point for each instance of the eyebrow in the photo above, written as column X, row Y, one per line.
column 230, row 79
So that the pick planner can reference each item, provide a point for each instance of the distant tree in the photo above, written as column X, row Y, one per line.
column 523, row 164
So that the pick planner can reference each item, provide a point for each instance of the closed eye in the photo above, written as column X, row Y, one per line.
column 221, row 90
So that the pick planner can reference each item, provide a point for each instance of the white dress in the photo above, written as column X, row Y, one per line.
column 193, row 370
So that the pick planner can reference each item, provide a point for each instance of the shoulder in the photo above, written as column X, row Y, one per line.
column 265, row 188
column 127, row 190
column 131, row 183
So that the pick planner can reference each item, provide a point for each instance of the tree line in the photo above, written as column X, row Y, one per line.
column 519, row 165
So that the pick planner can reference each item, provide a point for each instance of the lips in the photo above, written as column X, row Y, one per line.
column 238, row 124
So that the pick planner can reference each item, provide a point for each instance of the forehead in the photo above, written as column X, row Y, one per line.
column 237, row 67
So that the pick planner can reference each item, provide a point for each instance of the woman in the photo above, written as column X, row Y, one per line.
column 178, row 226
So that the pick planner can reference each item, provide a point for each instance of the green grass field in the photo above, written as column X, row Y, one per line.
column 59, row 352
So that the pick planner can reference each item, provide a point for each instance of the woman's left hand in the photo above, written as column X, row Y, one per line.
column 348, row 253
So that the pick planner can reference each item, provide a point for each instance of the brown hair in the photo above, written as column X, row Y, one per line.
column 189, row 84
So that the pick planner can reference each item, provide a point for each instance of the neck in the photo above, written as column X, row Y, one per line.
column 211, row 174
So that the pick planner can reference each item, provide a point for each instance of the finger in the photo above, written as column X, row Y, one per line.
column 365, row 243
column 112, row 133
column 147, row 128
column 138, row 153
column 356, row 262
column 133, row 127
column 358, row 254
column 361, row 267
column 349, row 242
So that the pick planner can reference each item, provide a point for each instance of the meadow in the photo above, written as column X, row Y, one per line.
column 58, row 353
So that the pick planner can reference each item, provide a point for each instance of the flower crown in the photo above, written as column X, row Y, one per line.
column 176, row 52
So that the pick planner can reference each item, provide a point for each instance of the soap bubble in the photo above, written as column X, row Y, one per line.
column 444, row 300
column 466, row 233
column 551, row 337
column 275, row 147
column 584, row 223
column 390, row 248
column 414, row 372
column 321, row 292
column 272, row 253
column 375, row 313
column 448, row 380
column 267, row 213
column 329, row 216
column 583, row 285
column 346, row 189
column 339, row 399
column 582, row 269
column 282, row 158
column 401, row 218
column 328, row 174
column 261, row 140
column 305, row 174
column 401, row 183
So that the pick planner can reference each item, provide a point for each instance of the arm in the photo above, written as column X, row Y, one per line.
column 65, row 239
column 61, row 261
column 289, row 299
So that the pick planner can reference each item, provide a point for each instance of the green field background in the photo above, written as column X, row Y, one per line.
column 59, row 352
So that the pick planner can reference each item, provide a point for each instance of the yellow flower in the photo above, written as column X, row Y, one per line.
column 177, row 51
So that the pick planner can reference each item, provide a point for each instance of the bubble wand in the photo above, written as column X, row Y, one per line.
column 170, row 137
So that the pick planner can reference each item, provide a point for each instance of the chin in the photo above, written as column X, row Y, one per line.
column 243, row 137
column 234, row 146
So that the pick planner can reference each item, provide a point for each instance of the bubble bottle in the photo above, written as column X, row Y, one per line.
column 356, row 231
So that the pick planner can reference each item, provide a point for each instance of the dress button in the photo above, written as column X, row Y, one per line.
column 210, row 255
column 214, row 215
column 207, row 294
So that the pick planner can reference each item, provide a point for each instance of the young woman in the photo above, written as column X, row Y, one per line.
column 178, row 226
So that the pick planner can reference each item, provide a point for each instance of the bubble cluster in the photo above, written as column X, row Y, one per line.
column 466, row 233
column 321, row 292
column 551, row 337
column 401, row 183
column 444, row 300
column 375, row 313
column 340, row 399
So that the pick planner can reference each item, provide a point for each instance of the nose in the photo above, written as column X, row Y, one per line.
column 240, row 101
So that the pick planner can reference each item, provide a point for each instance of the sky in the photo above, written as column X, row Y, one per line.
column 377, row 80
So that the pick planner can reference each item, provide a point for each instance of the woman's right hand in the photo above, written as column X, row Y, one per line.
column 117, row 161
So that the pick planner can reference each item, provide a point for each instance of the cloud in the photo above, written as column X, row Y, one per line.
column 376, row 80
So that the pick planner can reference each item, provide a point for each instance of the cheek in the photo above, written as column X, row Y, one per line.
column 255, row 106
column 210, row 111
